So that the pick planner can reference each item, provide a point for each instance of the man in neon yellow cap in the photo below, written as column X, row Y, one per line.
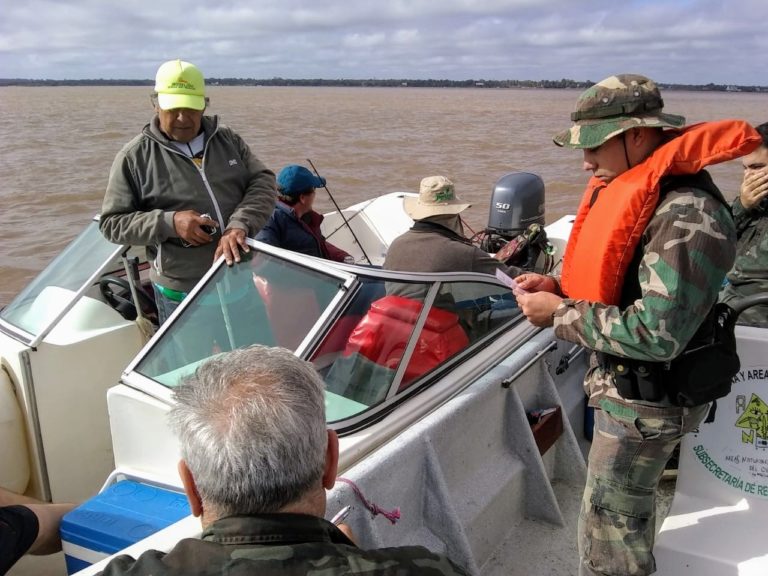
column 187, row 187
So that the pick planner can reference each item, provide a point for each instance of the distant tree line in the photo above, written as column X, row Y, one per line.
column 392, row 82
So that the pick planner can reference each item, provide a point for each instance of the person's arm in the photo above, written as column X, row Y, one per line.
column 334, row 252
column 754, row 188
column 741, row 216
column 123, row 220
column 347, row 531
column 254, row 209
column 534, row 282
column 538, row 296
column 272, row 232
column 752, row 200
column 751, row 204
column 29, row 525
column 260, row 194
column 486, row 264
column 687, row 254
column 49, row 518
column 8, row 498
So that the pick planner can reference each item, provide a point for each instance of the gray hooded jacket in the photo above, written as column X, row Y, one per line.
column 151, row 179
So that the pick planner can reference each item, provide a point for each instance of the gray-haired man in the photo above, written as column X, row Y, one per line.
column 257, row 459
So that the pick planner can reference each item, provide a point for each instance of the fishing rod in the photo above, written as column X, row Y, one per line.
column 340, row 212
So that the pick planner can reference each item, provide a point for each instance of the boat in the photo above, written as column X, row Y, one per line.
column 71, row 332
column 472, row 422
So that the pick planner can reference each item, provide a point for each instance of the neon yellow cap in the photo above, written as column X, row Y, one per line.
column 180, row 84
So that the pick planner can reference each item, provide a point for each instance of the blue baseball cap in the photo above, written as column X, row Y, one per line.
column 294, row 180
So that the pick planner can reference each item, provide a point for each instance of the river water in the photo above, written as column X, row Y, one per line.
column 57, row 144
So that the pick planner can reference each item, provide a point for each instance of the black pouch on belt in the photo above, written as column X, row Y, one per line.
column 634, row 380
column 705, row 370
column 626, row 385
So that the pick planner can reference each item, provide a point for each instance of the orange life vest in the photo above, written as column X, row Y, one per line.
column 606, row 233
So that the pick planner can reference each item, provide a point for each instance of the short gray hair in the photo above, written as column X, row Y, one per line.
column 252, row 428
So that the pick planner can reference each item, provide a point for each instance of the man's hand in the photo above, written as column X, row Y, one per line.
column 531, row 282
column 754, row 188
column 232, row 241
column 188, row 226
column 348, row 532
column 539, row 307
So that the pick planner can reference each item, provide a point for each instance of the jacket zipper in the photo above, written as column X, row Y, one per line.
column 201, row 171
column 158, row 258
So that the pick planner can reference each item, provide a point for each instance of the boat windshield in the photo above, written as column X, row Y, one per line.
column 370, row 335
column 45, row 298
column 262, row 300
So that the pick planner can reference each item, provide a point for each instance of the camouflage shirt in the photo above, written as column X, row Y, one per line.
column 279, row 544
column 750, row 272
column 687, row 248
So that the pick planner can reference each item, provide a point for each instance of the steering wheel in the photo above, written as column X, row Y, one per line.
column 117, row 293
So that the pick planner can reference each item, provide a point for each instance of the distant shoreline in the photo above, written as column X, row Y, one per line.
column 390, row 83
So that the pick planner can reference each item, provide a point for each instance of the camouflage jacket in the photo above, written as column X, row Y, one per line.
column 279, row 544
column 687, row 248
column 750, row 272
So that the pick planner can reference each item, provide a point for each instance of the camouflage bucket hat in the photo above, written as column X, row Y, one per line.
column 613, row 106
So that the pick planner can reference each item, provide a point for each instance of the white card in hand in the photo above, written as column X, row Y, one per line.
column 508, row 281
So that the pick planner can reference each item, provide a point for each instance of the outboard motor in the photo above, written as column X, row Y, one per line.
column 516, row 216
column 516, row 203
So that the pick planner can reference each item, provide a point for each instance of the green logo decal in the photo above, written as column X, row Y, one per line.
column 445, row 194
column 755, row 420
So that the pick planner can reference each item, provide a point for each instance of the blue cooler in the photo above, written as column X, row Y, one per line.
column 121, row 515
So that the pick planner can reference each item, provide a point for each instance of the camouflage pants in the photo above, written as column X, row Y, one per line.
column 630, row 447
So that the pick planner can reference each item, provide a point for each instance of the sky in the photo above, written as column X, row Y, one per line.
column 680, row 41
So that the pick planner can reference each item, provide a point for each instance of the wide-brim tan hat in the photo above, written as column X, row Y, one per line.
column 436, row 196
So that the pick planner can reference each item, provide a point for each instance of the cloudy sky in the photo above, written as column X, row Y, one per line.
column 685, row 41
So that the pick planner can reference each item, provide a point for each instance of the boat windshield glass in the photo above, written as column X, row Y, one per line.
column 385, row 343
column 43, row 299
column 370, row 338
column 262, row 300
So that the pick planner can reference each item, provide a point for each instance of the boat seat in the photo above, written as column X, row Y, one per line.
column 335, row 341
column 365, row 370
column 383, row 333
